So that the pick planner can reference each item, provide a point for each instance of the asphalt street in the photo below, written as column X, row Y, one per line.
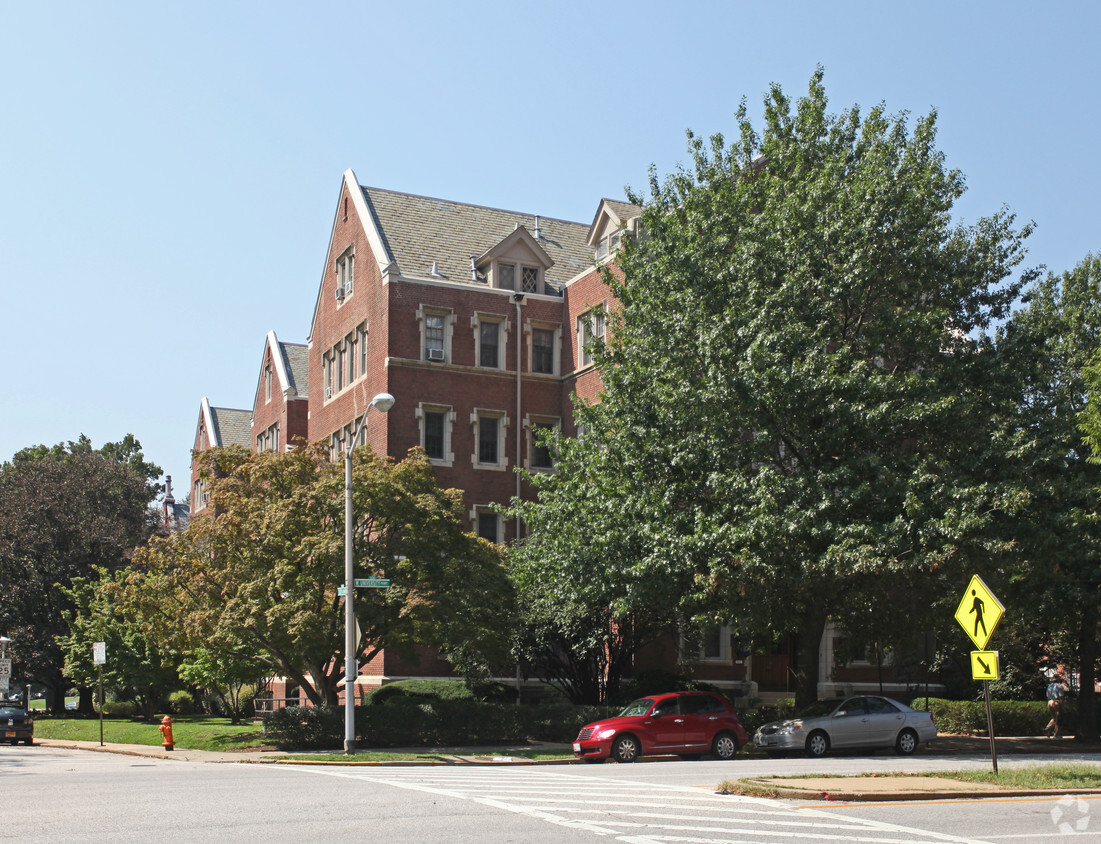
column 58, row 794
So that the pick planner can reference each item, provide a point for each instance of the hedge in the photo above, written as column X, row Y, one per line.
column 1011, row 717
column 407, row 721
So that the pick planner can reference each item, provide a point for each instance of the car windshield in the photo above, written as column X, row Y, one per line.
column 637, row 707
column 819, row 708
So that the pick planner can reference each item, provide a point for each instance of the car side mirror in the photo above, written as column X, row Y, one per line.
column 839, row 714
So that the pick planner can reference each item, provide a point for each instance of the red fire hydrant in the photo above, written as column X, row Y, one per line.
column 166, row 731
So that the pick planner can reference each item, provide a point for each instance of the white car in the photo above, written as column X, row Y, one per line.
column 864, row 721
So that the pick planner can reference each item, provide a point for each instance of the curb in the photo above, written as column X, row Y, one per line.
column 908, row 796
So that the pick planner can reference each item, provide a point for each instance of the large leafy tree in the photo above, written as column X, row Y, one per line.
column 1052, row 341
column 64, row 511
column 795, row 383
column 258, row 575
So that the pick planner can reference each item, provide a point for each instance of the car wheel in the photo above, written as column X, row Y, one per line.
column 907, row 743
column 626, row 749
column 725, row 746
column 689, row 757
column 817, row 744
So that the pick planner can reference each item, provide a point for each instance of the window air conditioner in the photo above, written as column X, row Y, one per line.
column 435, row 354
column 328, row 392
column 340, row 294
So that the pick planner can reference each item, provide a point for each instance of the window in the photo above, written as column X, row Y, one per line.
column 489, row 346
column 506, row 275
column 339, row 357
column 489, row 439
column 345, row 275
column 539, row 453
column 488, row 524
column 327, row 366
column 711, row 644
column 267, row 383
column 350, row 345
column 435, row 423
column 590, row 331
column 543, row 356
column 361, row 348
column 436, row 326
column 268, row 440
column 490, row 331
column 433, row 434
column 529, row 279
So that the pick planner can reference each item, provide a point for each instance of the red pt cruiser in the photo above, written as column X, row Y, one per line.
column 686, row 723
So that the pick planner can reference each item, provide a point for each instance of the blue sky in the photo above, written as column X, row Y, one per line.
column 170, row 171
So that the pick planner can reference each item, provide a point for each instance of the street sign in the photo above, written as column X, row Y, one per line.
column 372, row 583
column 341, row 591
column 979, row 612
column 5, row 667
column 99, row 653
column 985, row 665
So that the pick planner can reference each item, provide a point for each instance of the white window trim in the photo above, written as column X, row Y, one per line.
column 556, row 350
column 502, row 437
column 584, row 359
column 518, row 268
column 448, row 332
column 346, row 278
column 477, row 320
column 530, row 423
column 448, row 429
column 725, row 632
column 477, row 511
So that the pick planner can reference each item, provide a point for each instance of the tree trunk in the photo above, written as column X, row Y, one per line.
column 1087, row 671
column 86, row 706
column 808, row 644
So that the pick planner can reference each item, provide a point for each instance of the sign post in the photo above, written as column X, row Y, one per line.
column 978, row 614
column 99, row 657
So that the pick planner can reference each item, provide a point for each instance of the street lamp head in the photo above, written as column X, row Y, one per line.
column 383, row 401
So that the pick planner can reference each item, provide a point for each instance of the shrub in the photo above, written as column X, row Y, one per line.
column 181, row 703
column 1011, row 717
column 754, row 719
column 421, row 689
column 560, row 721
column 302, row 727
column 119, row 709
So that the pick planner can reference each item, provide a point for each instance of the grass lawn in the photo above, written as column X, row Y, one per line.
column 1040, row 776
column 190, row 733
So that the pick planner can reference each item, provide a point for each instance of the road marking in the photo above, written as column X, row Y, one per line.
column 631, row 812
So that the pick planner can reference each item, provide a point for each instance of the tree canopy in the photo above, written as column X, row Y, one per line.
column 257, row 573
column 795, row 380
column 65, row 511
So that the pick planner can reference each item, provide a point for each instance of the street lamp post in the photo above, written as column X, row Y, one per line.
column 383, row 401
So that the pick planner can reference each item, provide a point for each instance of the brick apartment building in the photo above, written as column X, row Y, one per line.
column 476, row 320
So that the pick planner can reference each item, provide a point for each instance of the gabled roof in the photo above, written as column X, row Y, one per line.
column 226, row 425
column 611, row 213
column 289, row 361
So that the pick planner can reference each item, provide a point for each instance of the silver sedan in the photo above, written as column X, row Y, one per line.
column 864, row 721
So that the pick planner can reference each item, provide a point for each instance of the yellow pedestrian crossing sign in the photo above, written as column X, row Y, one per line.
column 985, row 665
column 979, row 612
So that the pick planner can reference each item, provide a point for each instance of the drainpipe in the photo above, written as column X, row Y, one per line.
column 518, row 299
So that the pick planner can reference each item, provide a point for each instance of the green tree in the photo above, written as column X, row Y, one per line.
column 795, row 382
column 227, row 676
column 258, row 575
column 136, row 668
column 1052, row 340
column 64, row 511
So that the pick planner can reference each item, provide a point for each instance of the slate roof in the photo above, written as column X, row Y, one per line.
column 420, row 230
column 624, row 210
column 296, row 358
column 233, row 427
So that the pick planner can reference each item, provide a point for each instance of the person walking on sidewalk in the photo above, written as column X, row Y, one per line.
column 1056, row 699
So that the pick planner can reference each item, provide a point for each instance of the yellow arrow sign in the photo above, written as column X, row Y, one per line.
column 979, row 612
column 985, row 665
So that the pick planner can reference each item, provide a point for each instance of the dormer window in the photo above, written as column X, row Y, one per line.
column 506, row 276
